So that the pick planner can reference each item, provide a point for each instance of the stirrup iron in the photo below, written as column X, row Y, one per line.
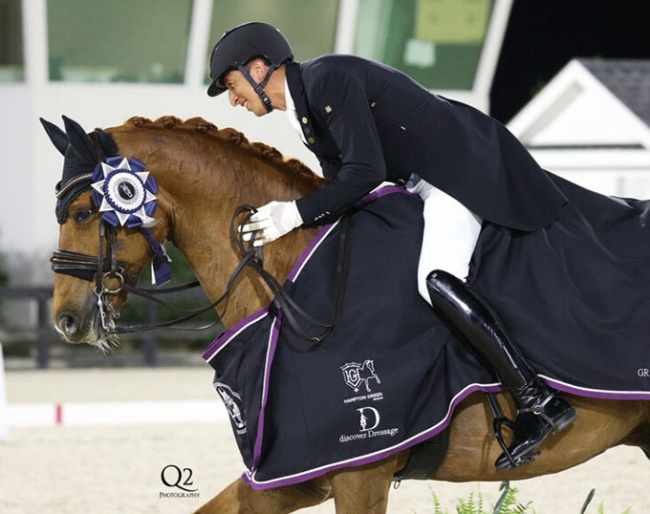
column 500, row 420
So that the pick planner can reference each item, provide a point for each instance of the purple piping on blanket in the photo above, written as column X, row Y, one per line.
column 596, row 393
column 309, row 251
column 313, row 245
column 226, row 336
column 249, row 477
column 270, row 353
column 383, row 191
column 223, row 338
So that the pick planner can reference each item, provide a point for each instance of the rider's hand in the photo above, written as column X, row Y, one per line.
column 271, row 221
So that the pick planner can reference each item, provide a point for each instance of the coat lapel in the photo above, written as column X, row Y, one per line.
column 297, row 90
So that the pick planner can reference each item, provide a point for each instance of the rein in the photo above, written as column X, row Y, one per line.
column 282, row 298
column 105, row 266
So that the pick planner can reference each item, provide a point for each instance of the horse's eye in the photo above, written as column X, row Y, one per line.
column 83, row 215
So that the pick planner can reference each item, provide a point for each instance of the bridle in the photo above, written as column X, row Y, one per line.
column 101, row 269
column 105, row 267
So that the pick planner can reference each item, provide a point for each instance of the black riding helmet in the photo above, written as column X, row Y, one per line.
column 239, row 46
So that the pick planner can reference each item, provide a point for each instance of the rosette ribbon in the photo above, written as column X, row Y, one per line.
column 125, row 194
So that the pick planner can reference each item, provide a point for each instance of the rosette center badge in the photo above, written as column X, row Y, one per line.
column 125, row 192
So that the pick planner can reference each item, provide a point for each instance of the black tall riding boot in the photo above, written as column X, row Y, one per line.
column 540, row 411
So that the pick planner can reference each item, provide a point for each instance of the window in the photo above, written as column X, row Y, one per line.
column 11, row 41
column 436, row 42
column 310, row 26
column 118, row 41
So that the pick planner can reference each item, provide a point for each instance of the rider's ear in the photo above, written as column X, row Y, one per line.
column 257, row 69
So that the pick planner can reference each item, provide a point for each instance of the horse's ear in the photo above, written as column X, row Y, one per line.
column 80, row 142
column 57, row 136
column 106, row 141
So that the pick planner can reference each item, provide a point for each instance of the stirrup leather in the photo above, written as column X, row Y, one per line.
column 539, row 410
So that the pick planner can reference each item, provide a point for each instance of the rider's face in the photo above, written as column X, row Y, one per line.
column 241, row 93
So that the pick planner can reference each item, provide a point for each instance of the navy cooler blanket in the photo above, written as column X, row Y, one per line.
column 576, row 295
column 390, row 374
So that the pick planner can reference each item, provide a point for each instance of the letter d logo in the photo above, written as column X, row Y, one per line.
column 368, row 418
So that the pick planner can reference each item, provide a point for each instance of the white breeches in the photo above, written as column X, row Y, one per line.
column 450, row 235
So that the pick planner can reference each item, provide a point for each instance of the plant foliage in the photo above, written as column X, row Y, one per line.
column 506, row 504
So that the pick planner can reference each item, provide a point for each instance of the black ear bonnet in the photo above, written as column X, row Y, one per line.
column 81, row 152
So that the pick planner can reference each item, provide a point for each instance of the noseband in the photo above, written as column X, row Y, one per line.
column 101, row 269
column 90, row 268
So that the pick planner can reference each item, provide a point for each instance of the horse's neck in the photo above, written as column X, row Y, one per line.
column 198, row 204
column 204, row 238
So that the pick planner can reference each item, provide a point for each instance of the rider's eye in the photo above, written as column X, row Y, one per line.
column 83, row 215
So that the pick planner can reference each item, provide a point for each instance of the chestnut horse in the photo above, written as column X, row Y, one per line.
column 203, row 175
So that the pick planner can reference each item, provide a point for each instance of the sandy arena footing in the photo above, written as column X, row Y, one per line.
column 117, row 467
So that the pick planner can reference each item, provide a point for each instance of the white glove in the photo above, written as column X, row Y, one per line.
column 271, row 221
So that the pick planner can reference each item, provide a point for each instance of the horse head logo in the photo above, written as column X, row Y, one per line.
column 356, row 374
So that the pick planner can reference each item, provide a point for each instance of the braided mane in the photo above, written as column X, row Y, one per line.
column 232, row 136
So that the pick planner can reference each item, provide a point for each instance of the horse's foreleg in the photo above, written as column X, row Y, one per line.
column 364, row 489
column 239, row 498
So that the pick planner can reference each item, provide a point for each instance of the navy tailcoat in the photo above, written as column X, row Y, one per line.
column 368, row 123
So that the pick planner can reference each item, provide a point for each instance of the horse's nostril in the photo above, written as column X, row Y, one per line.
column 68, row 324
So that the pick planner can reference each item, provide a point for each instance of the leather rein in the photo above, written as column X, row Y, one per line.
column 105, row 267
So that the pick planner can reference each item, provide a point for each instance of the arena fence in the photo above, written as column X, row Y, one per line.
column 34, row 336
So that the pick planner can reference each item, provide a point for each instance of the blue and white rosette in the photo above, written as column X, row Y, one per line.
column 125, row 194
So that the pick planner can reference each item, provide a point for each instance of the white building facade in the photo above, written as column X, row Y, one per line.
column 591, row 125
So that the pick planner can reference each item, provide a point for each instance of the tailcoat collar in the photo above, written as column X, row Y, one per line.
column 297, row 90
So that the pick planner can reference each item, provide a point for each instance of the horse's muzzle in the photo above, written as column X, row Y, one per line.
column 74, row 328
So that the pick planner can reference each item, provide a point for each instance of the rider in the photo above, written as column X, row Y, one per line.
column 368, row 123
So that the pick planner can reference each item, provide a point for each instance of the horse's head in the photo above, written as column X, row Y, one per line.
column 104, row 207
column 106, row 203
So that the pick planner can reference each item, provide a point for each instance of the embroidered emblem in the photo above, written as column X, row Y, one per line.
column 356, row 374
column 234, row 406
column 368, row 418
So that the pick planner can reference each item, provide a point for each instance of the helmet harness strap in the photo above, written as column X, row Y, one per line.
column 259, row 88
